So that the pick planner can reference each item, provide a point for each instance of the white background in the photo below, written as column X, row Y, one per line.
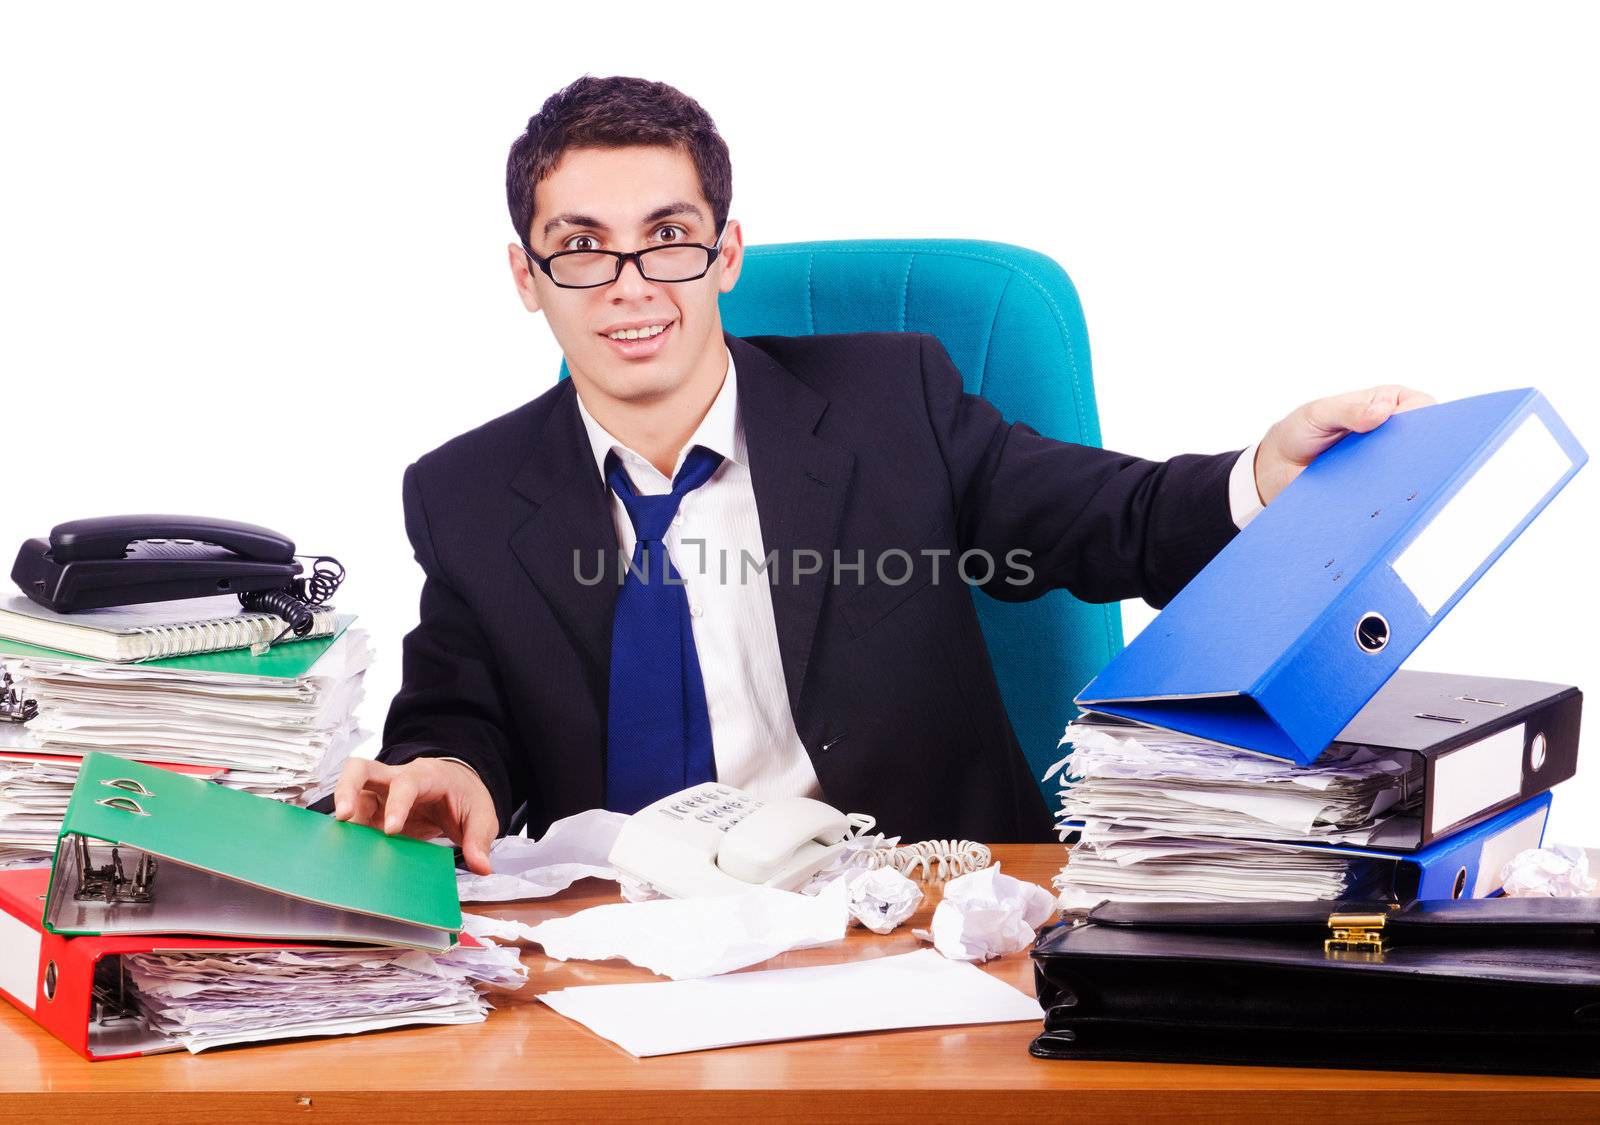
column 252, row 258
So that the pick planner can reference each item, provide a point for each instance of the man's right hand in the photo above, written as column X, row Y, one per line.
column 425, row 798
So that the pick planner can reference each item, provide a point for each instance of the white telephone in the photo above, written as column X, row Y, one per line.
column 713, row 839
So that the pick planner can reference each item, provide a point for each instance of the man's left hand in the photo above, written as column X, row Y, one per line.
column 1294, row 442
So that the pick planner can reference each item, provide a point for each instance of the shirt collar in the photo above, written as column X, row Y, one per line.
column 719, row 431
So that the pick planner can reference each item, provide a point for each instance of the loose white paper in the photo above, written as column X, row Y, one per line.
column 987, row 914
column 1553, row 872
column 483, row 927
column 918, row 989
column 576, row 847
column 685, row 938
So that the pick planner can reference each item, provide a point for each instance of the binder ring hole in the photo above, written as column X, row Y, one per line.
column 125, row 804
column 50, row 975
column 1372, row 633
column 127, row 783
column 1460, row 886
column 1538, row 749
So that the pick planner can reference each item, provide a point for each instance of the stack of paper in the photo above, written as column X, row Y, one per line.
column 279, row 726
column 12, row 855
column 1161, row 780
column 202, row 1000
column 1131, row 865
column 1167, row 818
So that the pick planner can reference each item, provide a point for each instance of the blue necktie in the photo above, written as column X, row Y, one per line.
column 658, row 734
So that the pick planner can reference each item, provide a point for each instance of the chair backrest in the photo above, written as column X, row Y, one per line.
column 1011, row 321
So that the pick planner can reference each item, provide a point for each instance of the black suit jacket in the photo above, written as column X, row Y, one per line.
column 856, row 443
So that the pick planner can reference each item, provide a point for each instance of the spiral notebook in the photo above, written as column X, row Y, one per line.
column 152, row 631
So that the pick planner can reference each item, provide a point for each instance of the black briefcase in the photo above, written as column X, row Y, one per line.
column 1500, row 985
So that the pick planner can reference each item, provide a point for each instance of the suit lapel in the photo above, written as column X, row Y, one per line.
column 568, row 538
column 800, row 484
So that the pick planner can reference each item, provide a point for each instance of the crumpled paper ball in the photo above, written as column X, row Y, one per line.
column 1553, row 872
column 882, row 898
column 987, row 914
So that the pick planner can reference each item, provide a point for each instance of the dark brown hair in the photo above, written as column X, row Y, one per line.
column 612, row 113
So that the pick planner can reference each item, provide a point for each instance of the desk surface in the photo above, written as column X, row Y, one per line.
column 526, row 1064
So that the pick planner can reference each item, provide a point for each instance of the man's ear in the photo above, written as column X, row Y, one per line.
column 731, row 256
column 522, row 275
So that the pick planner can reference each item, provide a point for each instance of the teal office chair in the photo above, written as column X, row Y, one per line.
column 1011, row 321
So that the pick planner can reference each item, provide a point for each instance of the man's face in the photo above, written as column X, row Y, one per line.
column 628, row 199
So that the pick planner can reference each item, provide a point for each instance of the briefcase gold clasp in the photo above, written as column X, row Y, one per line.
column 1359, row 933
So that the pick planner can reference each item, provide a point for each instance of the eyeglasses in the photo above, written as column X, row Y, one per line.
column 590, row 269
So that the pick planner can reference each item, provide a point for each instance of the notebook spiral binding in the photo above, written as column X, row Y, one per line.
column 216, row 635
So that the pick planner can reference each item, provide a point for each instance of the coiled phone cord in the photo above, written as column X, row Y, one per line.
column 293, row 603
column 939, row 859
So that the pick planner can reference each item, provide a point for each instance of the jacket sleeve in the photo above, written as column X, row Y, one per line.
column 1103, row 525
column 451, row 702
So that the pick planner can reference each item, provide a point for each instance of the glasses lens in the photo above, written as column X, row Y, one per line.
column 583, row 269
column 674, row 263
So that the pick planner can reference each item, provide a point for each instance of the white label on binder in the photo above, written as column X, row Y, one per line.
column 1501, row 848
column 1474, row 777
column 1482, row 513
column 19, row 960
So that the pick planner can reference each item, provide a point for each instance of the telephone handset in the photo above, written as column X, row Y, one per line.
column 713, row 839
column 129, row 560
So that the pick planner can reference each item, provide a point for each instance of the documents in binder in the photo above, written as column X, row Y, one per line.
column 120, row 996
column 1121, row 863
column 1432, row 753
column 146, row 851
column 1296, row 624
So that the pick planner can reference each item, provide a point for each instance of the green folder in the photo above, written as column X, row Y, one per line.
column 144, row 850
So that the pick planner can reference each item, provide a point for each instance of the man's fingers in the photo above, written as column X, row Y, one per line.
column 357, row 775
column 368, row 809
column 397, row 808
column 1411, row 399
column 352, row 778
column 1361, row 411
column 1356, row 411
column 478, row 834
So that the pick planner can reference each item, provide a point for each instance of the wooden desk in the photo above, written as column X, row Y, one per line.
column 529, row 1064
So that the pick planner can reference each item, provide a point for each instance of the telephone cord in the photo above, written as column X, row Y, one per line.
column 939, row 859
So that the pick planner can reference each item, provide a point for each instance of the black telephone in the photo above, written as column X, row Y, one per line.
column 126, row 560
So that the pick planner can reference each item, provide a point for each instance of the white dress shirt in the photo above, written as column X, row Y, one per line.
column 753, row 735
column 1243, row 496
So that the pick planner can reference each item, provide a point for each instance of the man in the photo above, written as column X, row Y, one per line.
column 542, row 672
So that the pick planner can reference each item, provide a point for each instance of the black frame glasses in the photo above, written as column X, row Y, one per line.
column 637, row 257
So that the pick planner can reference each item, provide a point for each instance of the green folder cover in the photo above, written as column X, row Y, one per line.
column 231, row 864
column 286, row 660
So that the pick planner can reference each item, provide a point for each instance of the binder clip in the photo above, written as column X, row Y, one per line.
column 14, row 708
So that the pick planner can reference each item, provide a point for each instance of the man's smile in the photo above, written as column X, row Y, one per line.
column 638, row 339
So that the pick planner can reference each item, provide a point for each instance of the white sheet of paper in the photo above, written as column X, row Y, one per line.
column 919, row 989
column 697, row 937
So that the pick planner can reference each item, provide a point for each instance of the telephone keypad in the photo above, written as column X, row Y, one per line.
column 717, row 805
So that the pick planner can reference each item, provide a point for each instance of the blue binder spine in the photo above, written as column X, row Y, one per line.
column 1468, row 863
